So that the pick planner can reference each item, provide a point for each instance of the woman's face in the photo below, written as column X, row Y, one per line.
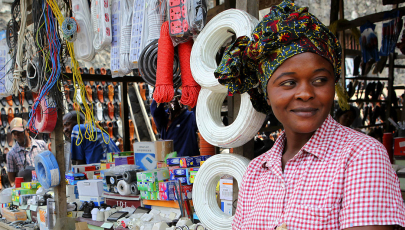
column 301, row 92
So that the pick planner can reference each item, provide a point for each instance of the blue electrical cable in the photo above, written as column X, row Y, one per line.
column 47, row 169
column 69, row 34
column 54, row 45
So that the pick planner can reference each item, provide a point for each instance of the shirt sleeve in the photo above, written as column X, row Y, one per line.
column 240, row 212
column 11, row 165
column 371, row 193
column 159, row 115
column 76, row 148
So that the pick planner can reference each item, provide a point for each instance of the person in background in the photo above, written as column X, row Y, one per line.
column 83, row 150
column 20, row 158
column 346, row 117
column 177, row 124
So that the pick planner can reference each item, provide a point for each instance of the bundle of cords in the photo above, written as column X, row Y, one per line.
column 156, row 16
column 126, row 26
column 115, row 45
column 164, row 91
column 84, row 43
column 54, row 47
column 190, row 88
column 90, row 134
column 20, row 46
column 100, row 15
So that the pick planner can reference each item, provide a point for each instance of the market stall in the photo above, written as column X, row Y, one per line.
column 159, row 48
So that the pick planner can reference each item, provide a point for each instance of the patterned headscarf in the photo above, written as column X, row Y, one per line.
column 287, row 30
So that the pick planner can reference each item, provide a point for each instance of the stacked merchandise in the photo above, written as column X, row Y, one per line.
column 148, row 182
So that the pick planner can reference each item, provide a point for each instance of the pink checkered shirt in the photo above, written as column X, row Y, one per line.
column 339, row 179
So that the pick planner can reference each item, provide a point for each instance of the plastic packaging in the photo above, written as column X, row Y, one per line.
column 47, row 169
column 186, row 19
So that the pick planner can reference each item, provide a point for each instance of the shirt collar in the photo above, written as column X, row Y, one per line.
column 317, row 145
column 33, row 144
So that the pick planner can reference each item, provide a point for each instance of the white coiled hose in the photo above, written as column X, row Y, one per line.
column 243, row 128
column 205, row 183
column 115, row 45
column 126, row 26
column 211, row 39
column 83, row 45
column 101, row 19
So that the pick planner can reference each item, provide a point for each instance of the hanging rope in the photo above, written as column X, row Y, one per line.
column 164, row 91
column 91, row 133
column 20, row 46
column 191, row 88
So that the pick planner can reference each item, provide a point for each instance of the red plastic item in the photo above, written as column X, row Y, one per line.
column 399, row 146
column 388, row 144
column 18, row 181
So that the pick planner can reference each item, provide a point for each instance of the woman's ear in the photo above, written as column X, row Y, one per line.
column 268, row 100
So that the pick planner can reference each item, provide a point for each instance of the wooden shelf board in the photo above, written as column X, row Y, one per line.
column 163, row 203
column 370, row 126
column 369, row 78
column 364, row 100
column 377, row 17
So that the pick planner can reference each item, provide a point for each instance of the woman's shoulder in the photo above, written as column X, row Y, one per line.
column 353, row 143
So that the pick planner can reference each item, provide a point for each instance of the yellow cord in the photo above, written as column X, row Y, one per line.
column 78, row 83
column 342, row 96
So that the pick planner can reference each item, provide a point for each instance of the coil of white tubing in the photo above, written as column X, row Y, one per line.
column 211, row 39
column 208, row 116
column 205, row 183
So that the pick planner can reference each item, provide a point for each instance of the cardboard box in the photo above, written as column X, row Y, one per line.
column 145, row 195
column 226, row 189
column 181, row 171
column 171, row 171
column 90, row 188
column 161, row 164
column 187, row 192
column 156, row 175
column 148, row 186
column 182, row 179
column 30, row 185
column 81, row 226
column 226, row 207
column 14, row 216
column 144, row 154
column 166, row 190
column 162, row 148
column 186, row 162
column 175, row 161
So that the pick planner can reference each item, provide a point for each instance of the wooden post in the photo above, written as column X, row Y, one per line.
column 251, row 6
column 59, row 152
column 342, row 42
column 388, row 126
column 124, row 112
column 334, row 11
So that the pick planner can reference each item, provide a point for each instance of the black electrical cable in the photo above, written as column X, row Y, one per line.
column 12, row 34
column 148, row 64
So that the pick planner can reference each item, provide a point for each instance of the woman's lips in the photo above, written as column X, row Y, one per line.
column 304, row 112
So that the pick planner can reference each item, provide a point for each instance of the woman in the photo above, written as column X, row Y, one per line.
column 319, row 174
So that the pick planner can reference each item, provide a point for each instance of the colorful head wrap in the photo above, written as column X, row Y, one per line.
column 287, row 30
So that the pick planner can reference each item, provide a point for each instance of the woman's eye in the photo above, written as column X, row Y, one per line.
column 287, row 83
column 320, row 80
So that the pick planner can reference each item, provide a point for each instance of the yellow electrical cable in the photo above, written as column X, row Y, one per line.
column 88, row 113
